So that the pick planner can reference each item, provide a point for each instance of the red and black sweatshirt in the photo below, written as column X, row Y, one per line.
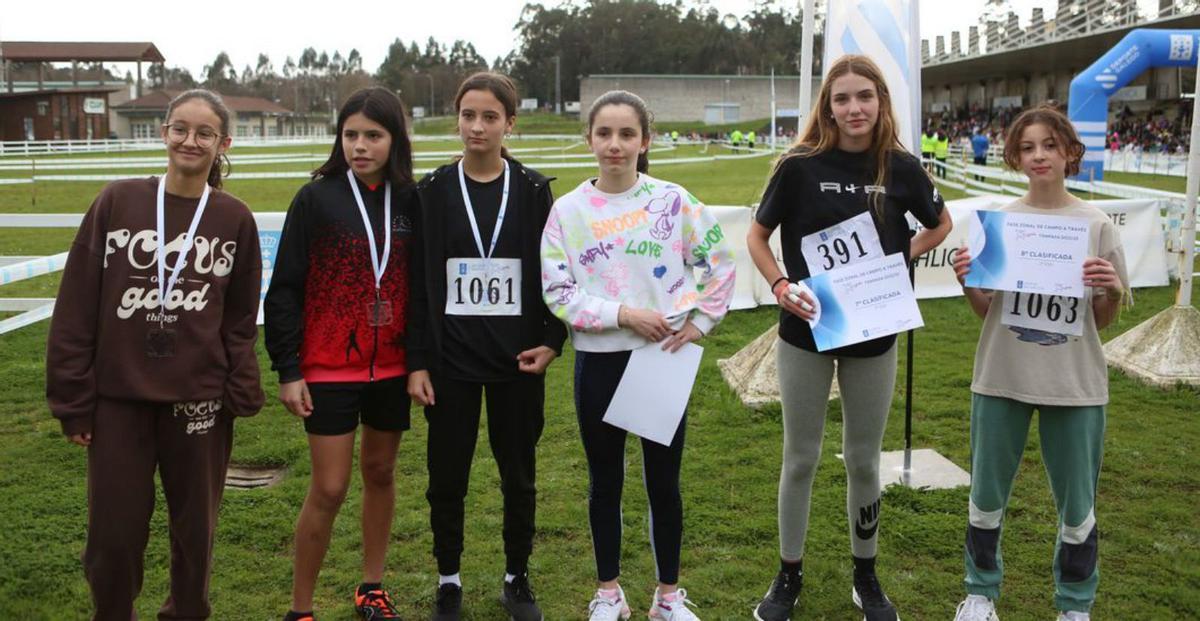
column 316, row 310
column 109, row 300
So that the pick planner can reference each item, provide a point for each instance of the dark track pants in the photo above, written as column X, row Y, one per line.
column 515, row 420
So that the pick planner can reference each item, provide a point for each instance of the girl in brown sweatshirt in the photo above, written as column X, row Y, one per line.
column 151, row 355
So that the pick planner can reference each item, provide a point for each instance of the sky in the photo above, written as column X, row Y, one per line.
column 244, row 29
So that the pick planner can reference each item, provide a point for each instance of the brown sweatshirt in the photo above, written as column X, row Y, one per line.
column 108, row 302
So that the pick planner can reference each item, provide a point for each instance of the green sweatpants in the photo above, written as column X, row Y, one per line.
column 1072, row 445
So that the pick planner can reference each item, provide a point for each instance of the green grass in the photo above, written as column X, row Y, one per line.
column 1150, row 547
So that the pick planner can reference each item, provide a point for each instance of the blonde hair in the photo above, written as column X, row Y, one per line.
column 821, row 133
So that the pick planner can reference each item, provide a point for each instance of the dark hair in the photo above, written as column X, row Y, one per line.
column 220, row 166
column 384, row 107
column 1048, row 114
column 625, row 98
column 499, row 85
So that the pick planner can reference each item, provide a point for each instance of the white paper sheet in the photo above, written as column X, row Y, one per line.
column 654, row 391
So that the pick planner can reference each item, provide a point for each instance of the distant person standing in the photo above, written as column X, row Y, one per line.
column 674, row 137
column 928, row 144
column 750, row 138
column 980, row 145
column 736, row 139
column 941, row 151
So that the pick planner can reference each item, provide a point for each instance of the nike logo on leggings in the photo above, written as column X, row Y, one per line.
column 868, row 521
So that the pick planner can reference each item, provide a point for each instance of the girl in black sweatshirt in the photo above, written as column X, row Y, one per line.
column 478, row 328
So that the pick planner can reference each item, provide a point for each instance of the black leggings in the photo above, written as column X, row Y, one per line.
column 596, row 379
column 515, row 419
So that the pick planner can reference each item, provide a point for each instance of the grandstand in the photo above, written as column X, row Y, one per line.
column 1011, row 65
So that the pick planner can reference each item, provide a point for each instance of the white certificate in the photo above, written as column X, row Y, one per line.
column 654, row 391
column 850, row 241
column 862, row 302
column 483, row 287
column 1030, row 253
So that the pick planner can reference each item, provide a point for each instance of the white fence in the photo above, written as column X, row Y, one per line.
column 51, row 147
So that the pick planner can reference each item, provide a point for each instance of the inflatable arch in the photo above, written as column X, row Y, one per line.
column 1141, row 49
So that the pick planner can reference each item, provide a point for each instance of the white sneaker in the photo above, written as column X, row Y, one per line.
column 674, row 610
column 1073, row 615
column 609, row 607
column 976, row 608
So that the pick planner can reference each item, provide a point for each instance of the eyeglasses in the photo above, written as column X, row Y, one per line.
column 205, row 137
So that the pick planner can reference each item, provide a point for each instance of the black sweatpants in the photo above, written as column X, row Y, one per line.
column 515, row 421
column 596, row 379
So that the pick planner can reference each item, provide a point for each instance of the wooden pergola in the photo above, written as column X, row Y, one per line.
column 75, row 52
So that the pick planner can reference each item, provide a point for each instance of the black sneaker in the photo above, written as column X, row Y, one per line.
column 869, row 598
column 375, row 604
column 448, row 606
column 778, row 603
column 517, row 598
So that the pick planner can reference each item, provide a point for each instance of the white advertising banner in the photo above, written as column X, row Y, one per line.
column 1138, row 222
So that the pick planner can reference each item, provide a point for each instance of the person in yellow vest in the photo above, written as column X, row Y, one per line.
column 941, row 151
column 674, row 136
column 735, row 139
column 928, row 144
column 750, row 138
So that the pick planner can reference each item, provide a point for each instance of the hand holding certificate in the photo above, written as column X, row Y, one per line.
column 863, row 301
column 1030, row 253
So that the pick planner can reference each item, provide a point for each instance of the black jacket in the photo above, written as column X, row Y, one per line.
column 427, row 271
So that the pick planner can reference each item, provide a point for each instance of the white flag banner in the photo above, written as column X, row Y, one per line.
column 888, row 32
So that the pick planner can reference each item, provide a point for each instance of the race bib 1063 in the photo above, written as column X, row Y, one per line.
column 1048, row 313
column 850, row 241
column 483, row 287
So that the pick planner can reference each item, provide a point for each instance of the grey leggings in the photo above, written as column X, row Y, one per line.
column 866, row 386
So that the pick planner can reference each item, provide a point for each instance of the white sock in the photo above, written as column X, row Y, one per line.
column 455, row 579
column 509, row 578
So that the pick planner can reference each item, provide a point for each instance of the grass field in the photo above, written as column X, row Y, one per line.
column 1150, row 550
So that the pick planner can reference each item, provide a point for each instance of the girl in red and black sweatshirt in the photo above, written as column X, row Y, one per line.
column 335, row 322
column 151, row 355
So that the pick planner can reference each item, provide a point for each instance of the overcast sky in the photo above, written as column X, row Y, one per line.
column 244, row 29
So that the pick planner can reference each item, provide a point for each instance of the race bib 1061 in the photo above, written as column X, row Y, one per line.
column 483, row 287
column 850, row 241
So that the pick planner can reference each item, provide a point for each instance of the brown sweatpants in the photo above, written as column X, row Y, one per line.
column 189, row 444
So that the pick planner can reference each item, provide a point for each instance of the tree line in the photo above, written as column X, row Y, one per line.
column 581, row 37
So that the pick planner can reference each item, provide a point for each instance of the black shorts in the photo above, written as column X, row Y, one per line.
column 338, row 406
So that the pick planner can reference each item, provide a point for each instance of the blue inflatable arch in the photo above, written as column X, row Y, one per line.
column 1141, row 49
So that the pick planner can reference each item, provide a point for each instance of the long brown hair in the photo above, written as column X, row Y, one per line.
column 821, row 133
column 384, row 107
column 220, row 166
column 1048, row 114
column 499, row 85
column 645, row 119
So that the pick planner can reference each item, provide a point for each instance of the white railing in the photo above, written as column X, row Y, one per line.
column 49, row 147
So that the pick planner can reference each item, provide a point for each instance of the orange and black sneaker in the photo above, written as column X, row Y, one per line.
column 374, row 604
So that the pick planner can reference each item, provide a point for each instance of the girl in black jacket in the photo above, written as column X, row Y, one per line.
column 478, row 327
